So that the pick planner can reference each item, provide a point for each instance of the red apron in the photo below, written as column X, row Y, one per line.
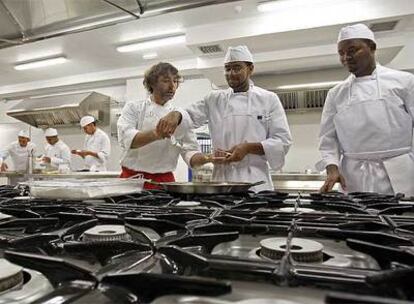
column 156, row 177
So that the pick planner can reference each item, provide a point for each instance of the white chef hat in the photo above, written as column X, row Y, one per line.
column 238, row 53
column 86, row 120
column 23, row 133
column 356, row 31
column 51, row 132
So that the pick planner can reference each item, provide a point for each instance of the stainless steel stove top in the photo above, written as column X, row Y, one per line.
column 335, row 253
column 253, row 293
column 34, row 287
column 156, row 248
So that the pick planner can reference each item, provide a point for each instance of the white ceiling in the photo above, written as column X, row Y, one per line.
column 299, row 37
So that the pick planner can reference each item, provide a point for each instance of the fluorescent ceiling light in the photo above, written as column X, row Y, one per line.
column 149, row 56
column 309, row 85
column 150, row 44
column 40, row 63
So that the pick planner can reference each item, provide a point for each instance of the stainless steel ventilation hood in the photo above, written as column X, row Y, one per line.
column 27, row 21
column 61, row 110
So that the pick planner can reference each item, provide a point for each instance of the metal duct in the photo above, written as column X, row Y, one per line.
column 61, row 110
column 34, row 20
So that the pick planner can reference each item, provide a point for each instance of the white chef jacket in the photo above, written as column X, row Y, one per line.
column 59, row 154
column 263, row 121
column 160, row 156
column 364, row 168
column 19, row 155
column 99, row 143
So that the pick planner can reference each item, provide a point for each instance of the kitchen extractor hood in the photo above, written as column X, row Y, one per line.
column 61, row 110
column 33, row 20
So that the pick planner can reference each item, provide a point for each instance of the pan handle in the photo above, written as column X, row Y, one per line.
column 164, row 185
column 257, row 183
column 154, row 183
column 161, row 185
column 136, row 175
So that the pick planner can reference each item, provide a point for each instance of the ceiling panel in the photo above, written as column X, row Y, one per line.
column 93, row 53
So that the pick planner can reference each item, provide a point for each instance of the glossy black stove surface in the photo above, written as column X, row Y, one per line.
column 211, row 248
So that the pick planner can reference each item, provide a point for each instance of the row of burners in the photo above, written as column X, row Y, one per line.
column 358, row 203
column 156, row 248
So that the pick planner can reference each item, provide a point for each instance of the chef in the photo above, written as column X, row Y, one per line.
column 57, row 152
column 147, row 151
column 18, row 152
column 97, row 146
column 247, row 124
column 367, row 122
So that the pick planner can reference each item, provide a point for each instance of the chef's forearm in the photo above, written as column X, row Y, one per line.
column 198, row 160
column 144, row 138
column 178, row 116
column 332, row 169
column 254, row 148
column 91, row 153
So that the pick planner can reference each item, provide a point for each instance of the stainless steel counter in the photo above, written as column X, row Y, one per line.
column 297, row 182
column 286, row 182
column 298, row 177
column 15, row 177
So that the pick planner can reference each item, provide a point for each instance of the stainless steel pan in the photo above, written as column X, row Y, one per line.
column 206, row 188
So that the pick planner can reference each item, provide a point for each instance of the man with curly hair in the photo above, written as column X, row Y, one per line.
column 146, row 150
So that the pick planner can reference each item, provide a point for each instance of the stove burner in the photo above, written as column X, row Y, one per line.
column 302, row 250
column 34, row 286
column 174, row 249
column 300, row 209
column 188, row 204
column 104, row 233
column 11, row 275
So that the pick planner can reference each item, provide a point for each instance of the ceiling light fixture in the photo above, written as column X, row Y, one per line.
column 150, row 56
column 325, row 84
column 40, row 63
column 150, row 44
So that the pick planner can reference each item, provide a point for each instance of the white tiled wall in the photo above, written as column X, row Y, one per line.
column 304, row 152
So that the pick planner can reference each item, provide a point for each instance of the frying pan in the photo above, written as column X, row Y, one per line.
column 206, row 188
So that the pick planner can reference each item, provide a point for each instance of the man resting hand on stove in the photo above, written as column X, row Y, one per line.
column 151, row 152
column 366, row 135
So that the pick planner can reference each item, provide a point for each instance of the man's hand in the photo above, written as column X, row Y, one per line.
column 333, row 177
column 4, row 167
column 76, row 152
column 199, row 159
column 219, row 156
column 46, row 160
column 156, row 135
column 166, row 126
column 237, row 153
column 81, row 153
column 84, row 153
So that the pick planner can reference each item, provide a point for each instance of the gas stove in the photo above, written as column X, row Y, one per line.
column 153, row 247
